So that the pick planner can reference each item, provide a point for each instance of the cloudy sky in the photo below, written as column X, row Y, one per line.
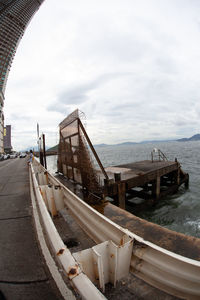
column 132, row 66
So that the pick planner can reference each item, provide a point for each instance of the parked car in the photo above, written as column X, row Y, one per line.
column 1, row 157
column 22, row 155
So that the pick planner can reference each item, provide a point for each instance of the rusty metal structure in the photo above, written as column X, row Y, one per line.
column 147, row 180
column 15, row 15
column 76, row 155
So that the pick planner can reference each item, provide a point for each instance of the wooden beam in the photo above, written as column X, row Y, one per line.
column 122, row 194
column 158, row 187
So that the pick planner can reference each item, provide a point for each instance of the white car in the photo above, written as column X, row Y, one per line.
column 22, row 155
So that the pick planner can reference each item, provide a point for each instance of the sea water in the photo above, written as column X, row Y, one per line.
column 179, row 212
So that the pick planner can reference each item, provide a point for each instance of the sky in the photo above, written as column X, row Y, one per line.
column 132, row 66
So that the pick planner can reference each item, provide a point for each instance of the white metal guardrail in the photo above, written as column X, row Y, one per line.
column 102, row 263
column 175, row 274
column 70, row 266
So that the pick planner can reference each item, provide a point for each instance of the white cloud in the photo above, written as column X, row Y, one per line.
column 132, row 66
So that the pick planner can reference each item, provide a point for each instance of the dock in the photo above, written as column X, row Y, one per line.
column 145, row 180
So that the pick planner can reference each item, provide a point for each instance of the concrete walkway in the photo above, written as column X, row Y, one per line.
column 23, row 273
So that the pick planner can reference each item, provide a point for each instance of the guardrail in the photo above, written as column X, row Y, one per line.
column 70, row 266
column 175, row 274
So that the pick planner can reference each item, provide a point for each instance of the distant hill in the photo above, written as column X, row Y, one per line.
column 101, row 145
column 156, row 141
column 35, row 148
column 132, row 143
column 126, row 144
column 54, row 148
column 195, row 137
column 121, row 144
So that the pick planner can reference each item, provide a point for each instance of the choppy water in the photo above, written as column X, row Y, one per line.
column 180, row 212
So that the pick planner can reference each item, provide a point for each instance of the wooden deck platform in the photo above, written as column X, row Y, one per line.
column 144, row 179
column 129, row 172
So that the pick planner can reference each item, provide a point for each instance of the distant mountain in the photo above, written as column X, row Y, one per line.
column 29, row 148
column 54, row 148
column 121, row 144
column 126, row 144
column 156, row 141
column 195, row 137
column 101, row 145
column 132, row 143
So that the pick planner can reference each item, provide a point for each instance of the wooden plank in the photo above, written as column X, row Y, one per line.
column 158, row 187
column 121, row 194
column 145, row 178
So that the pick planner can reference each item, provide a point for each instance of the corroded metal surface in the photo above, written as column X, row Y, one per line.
column 75, row 159
column 154, row 178
column 134, row 288
column 178, row 243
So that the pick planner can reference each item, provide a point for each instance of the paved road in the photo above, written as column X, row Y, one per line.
column 23, row 274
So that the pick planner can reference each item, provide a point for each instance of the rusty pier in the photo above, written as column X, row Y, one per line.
column 148, row 180
column 135, row 184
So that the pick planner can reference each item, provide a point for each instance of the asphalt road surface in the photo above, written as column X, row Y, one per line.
column 23, row 273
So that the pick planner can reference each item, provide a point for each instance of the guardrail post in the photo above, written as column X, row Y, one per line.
column 42, row 178
column 58, row 197
column 106, row 262
column 44, row 195
column 51, row 200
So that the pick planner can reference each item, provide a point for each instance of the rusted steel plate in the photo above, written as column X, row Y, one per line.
column 181, row 244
